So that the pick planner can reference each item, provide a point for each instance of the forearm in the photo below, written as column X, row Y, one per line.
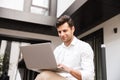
column 73, row 72
column 76, row 74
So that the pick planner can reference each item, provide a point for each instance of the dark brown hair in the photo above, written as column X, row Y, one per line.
column 63, row 19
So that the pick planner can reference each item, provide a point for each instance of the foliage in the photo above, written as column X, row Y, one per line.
column 1, row 64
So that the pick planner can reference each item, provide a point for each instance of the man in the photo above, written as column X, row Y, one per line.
column 73, row 56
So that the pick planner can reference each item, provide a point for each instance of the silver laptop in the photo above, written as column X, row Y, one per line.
column 39, row 57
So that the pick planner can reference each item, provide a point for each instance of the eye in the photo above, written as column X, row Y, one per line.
column 59, row 32
column 64, row 30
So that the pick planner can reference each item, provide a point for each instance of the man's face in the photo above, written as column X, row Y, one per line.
column 65, row 32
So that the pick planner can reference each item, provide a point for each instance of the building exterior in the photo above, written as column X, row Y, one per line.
column 25, row 22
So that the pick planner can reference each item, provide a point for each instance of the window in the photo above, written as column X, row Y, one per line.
column 40, row 7
column 12, row 4
column 10, row 56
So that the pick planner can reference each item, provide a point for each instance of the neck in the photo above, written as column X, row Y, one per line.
column 68, row 42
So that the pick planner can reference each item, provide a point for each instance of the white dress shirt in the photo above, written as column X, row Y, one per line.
column 79, row 56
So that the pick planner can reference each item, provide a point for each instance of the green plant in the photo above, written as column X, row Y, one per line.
column 1, row 64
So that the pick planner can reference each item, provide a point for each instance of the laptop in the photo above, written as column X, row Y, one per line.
column 39, row 57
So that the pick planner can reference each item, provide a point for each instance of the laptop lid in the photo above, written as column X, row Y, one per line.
column 39, row 56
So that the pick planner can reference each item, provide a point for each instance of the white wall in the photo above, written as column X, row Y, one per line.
column 112, row 42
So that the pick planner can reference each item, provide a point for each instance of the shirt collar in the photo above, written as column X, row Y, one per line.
column 74, row 41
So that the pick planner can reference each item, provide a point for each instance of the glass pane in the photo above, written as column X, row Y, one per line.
column 42, row 3
column 39, row 11
column 12, row 4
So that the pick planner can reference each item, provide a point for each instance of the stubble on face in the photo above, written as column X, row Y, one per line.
column 66, row 33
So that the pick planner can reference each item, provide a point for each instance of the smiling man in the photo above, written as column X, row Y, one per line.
column 73, row 56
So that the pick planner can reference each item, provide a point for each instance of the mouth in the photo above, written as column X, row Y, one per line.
column 63, row 38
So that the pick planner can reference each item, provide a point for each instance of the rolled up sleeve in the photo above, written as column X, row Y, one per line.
column 87, row 64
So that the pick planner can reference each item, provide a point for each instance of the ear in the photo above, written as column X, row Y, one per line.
column 73, row 29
